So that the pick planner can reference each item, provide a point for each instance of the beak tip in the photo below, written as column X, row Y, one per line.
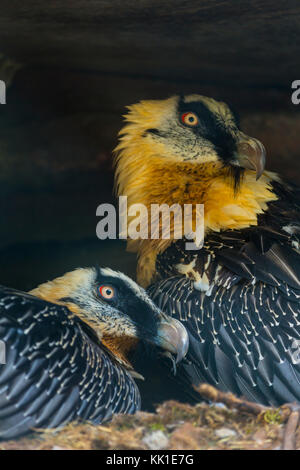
column 174, row 338
column 251, row 154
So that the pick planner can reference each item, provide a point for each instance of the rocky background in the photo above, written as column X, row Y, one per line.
column 73, row 67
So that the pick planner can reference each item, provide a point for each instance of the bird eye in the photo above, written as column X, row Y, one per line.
column 189, row 119
column 107, row 292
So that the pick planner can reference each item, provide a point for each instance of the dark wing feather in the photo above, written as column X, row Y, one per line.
column 55, row 370
column 245, row 327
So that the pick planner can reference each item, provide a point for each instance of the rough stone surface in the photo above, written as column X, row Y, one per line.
column 254, row 42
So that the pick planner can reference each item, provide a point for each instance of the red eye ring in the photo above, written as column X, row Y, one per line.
column 107, row 292
column 189, row 119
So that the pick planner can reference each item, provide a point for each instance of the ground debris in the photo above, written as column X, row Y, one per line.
column 156, row 440
column 176, row 426
column 224, row 433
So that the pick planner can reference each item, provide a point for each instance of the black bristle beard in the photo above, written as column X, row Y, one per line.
column 236, row 174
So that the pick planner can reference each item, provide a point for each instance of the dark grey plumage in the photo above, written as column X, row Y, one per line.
column 68, row 359
column 244, row 327
column 56, row 370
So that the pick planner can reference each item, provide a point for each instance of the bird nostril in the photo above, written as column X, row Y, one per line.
column 245, row 148
column 250, row 148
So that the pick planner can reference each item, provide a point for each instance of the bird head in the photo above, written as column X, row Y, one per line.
column 191, row 129
column 189, row 150
column 118, row 310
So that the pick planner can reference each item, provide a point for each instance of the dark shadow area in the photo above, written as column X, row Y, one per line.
column 81, row 64
column 29, row 264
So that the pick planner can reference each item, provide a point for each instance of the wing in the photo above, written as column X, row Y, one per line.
column 53, row 372
column 240, row 303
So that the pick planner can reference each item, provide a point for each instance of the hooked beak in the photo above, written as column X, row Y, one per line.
column 250, row 154
column 173, row 337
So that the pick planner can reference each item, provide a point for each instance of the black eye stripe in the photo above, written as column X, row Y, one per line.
column 210, row 128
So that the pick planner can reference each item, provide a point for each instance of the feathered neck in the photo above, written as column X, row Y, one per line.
column 147, row 176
